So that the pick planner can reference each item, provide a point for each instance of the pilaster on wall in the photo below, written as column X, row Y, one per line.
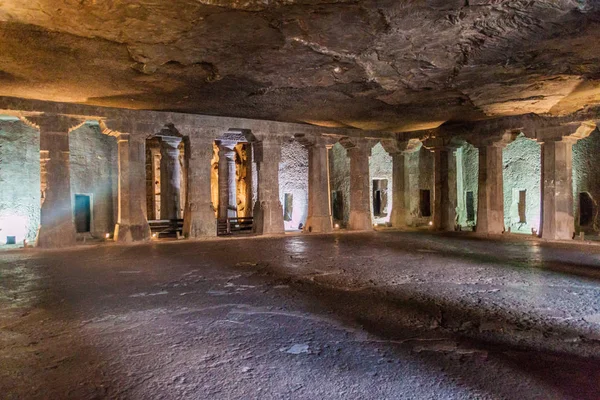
column 57, row 228
column 268, row 211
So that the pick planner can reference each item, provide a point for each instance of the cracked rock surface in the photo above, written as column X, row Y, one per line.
column 392, row 315
column 372, row 64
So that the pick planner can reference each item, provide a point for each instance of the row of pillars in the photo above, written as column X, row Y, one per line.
column 557, row 193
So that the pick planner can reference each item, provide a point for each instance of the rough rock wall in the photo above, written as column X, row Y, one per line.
column 293, row 180
column 380, row 167
column 339, row 167
column 19, row 181
column 470, row 177
column 94, row 170
column 586, row 178
column 419, row 167
column 522, row 172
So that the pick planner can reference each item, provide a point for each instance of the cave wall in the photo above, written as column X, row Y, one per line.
column 293, row 180
column 522, row 172
column 586, row 178
column 94, row 172
column 380, row 167
column 19, row 181
column 339, row 167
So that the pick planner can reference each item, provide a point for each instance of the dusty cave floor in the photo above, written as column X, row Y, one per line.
column 346, row 316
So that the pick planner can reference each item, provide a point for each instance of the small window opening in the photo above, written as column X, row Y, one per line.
column 288, row 208
column 586, row 209
column 470, row 207
column 425, row 203
column 337, row 205
column 83, row 213
column 522, row 206
column 11, row 240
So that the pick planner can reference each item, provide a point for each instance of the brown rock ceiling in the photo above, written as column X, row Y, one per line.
column 373, row 64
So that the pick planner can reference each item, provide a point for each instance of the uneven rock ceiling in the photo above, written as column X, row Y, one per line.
column 394, row 65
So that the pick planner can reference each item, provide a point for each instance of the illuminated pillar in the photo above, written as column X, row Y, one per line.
column 360, row 210
column 56, row 215
column 558, row 222
column 170, row 178
column 319, row 214
column 227, row 183
column 268, row 212
column 398, row 216
column 199, row 216
column 490, row 203
column 132, row 224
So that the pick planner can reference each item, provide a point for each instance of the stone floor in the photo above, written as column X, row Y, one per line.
column 388, row 315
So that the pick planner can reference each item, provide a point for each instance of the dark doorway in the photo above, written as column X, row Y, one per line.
column 470, row 207
column 83, row 213
column 425, row 203
column 288, row 208
column 337, row 205
column 380, row 197
column 522, row 206
column 586, row 209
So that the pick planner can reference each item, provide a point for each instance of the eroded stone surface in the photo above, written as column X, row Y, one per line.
column 398, row 65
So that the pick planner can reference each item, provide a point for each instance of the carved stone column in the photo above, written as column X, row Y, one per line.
column 268, row 212
column 398, row 216
column 56, row 215
column 558, row 222
column 199, row 216
column 170, row 178
column 132, row 223
column 490, row 204
column 319, row 213
column 227, row 183
column 444, row 193
column 360, row 210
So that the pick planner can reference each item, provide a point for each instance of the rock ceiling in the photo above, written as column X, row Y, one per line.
column 374, row 64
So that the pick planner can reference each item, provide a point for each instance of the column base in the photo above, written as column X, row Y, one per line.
column 268, row 219
column 53, row 238
column 321, row 224
column 131, row 233
column 199, row 224
column 562, row 229
column 360, row 221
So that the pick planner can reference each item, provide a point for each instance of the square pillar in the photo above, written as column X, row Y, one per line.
column 319, row 213
column 490, row 203
column 132, row 224
column 57, row 228
column 444, row 191
column 268, row 212
column 398, row 216
column 360, row 198
column 199, row 220
column 558, row 222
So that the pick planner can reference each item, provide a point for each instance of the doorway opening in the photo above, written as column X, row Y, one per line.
column 83, row 213
column 586, row 209
column 288, row 207
column 337, row 205
column 380, row 197
column 425, row 203
column 522, row 206
column 470, row 207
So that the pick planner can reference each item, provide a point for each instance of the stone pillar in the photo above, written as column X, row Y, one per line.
column 398, row 216
column 170, row 178
column 360, row 198
column 56, row 215
column 132, row 223
column 227, row 183
column 249, row 172
column 319, row 213
column 444, row 191
column 557, row 222
column 268, row 212
column 199, row 216
column 490, row 203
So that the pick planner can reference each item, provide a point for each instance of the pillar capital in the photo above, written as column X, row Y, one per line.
column 54, row 122
column 571, row 132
